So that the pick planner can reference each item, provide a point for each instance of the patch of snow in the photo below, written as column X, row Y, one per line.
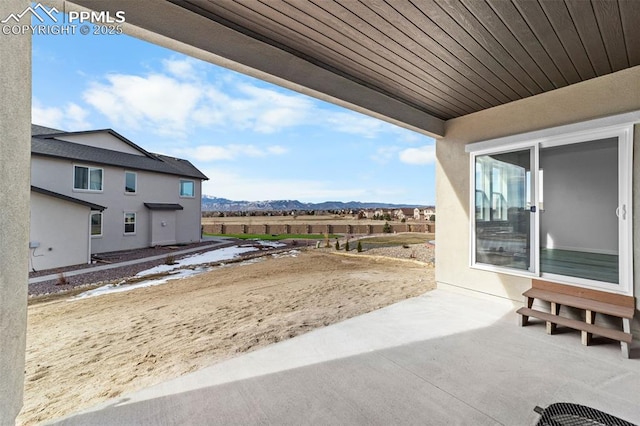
column 273, row 244
column 198, row 259
column 119, row 288
column 181, row 272
column 290, row 253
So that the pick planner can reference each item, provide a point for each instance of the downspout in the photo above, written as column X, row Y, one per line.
column 89, row 238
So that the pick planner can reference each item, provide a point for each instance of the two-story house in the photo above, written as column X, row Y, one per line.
column 96, row 192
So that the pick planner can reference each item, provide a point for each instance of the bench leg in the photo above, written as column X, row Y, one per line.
column 626, row 327
column 555, row 310
column 590, row 318
column 524, row 319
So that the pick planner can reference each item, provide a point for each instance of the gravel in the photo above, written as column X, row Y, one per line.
column 420, row 252
column 72, row 284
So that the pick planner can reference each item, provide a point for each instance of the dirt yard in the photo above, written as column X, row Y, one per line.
column 84, row 351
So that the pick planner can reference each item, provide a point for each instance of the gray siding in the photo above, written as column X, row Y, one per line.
column 57, row 175
column 61, row 229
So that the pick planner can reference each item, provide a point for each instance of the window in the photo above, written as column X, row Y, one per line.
column 87, row 178
column 96, row 224
column 130, row 182
column 187, row 188
column 502, row 184
column 129, row 223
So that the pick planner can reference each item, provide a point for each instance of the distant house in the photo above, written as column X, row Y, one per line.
column 96, row 192
column 429, row 214
column 399, row 214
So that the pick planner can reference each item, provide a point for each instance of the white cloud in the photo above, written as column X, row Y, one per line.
column 277, row 150
column 180, row 97
column 182, row 68
column 172, row 104
column 206, row 153
column 384, row 154
column 357, row 124
column 155, row 102
column 420, row 156
column 236, row 186
column 71, row 117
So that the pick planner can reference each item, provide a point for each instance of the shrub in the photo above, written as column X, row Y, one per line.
column 387, row 229
column 337, row 245
column 62, row 280
column 359, row 247
column 346, row 246
column 170, row 260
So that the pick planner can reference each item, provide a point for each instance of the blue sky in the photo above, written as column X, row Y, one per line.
column 254, row 140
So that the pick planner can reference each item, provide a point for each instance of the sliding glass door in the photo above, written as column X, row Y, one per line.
column 557, row 208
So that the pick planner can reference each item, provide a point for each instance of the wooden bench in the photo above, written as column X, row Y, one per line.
column 591, row 301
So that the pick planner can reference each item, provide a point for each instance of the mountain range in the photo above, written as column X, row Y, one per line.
column 210, row 203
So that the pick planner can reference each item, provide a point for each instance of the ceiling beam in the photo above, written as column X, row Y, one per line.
column 169, row 25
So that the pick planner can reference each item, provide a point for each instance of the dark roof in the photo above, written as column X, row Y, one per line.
column 41, row 130
column 67, row 198
column 163, row 206
column 46, row 145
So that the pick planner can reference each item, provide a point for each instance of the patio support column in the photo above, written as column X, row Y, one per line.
column 15, row 148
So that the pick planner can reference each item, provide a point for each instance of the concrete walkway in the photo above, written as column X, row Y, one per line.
column 439, row 359
column 218, row 244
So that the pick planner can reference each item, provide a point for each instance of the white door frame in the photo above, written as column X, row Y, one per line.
column 620, row 127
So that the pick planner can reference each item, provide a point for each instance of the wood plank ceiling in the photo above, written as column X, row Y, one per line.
column 447, row 58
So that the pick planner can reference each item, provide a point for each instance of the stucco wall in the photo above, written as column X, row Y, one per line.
column 61, row 229
column 604, row 96
column 15, row 128
column 57, row 175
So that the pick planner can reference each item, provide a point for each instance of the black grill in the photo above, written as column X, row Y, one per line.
column 567, row 414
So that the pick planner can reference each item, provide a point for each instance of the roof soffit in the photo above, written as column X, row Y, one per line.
column 417, row 64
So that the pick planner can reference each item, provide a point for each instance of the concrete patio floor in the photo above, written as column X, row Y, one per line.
column 441, row 358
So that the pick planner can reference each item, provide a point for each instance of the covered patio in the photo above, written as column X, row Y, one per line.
column 441, row 358
column 460, row 71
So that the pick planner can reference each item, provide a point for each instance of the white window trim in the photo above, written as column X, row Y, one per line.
column 125, row 183
column 89, row 168
column 101, row 225
column 180, row 188
column 620, row 126
column 135, row 223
